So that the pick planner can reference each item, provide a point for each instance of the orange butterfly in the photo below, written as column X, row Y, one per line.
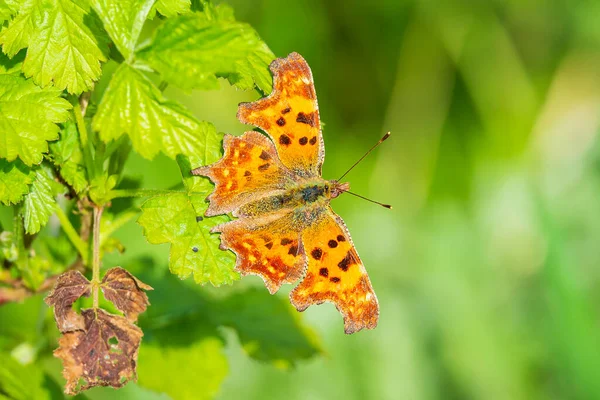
column 286, row 228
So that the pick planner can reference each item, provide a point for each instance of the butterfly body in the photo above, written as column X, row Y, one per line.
column 286, row 229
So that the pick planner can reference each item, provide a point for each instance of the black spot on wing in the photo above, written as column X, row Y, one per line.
column 284, row 140
column 308, row 119
column 317, row 253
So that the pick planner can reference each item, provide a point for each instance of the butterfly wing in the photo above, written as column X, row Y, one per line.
column 290, row 116
column 267, row 246
column 249, row 170
column 336, row 274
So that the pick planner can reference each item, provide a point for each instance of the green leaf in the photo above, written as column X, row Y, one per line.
column 28, row 117
column 170, row 8
column 167, row 369
column 39, row 202
column 21, row 382
column 194, row 250
column 133, row 105
column 15, row 178
column 192, row 50
column 62, row 48
column 269, row 328
column 7, row 9
column 100, row 188
column 123, row 20
column 20, row 29
column 178, row 218
column 66, row 154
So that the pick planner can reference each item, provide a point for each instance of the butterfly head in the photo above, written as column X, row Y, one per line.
column 334, row 188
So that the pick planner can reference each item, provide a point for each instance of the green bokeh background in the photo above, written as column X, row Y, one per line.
column 487, row 268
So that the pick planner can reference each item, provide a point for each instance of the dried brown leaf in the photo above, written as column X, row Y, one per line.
column 104, row 353
column 69, row 287
column 126, row 292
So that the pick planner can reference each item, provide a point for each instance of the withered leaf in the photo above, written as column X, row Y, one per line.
column 69, row 287
column 104, row 353
column 126, row 292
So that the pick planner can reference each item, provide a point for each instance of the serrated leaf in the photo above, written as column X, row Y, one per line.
column 62, row 48
column 167, row 369
column 178, row 218
column 170, row 8
column 133, row 105
column 15, row 178
column 8, row 8
column 192, row 50
column 69, row 287
column 126, row 292
column 123, row 20
column 20, row 29
column 66, row 154
column 194, row 250
column 103, row 353
column 28, row 118
column 39, row 203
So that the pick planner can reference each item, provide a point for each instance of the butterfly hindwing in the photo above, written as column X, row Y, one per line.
column 268, row 246
column 336, row 274
column 290, row 116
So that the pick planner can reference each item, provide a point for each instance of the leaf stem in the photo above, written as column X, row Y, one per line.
column 96, row 255
column 72, row 234
column 141, row 192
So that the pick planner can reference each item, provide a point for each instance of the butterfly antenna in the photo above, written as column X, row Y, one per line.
column 372, row 201
column 387, row 135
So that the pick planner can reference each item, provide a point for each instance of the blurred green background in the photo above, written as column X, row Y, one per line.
column 486, row 269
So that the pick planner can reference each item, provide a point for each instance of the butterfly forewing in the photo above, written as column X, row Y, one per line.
column 290, row 116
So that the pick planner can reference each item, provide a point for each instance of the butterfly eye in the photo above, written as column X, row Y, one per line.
column 327, row 188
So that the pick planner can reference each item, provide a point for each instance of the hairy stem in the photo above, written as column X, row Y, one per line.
column 72, row 234
column 96, row 255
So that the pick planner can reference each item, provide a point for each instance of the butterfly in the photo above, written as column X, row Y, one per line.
column 286, row 229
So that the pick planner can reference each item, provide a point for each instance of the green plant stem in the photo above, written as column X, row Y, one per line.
column 96, row 255
column 72, row 234
column 83, row 138
column 141, row 192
